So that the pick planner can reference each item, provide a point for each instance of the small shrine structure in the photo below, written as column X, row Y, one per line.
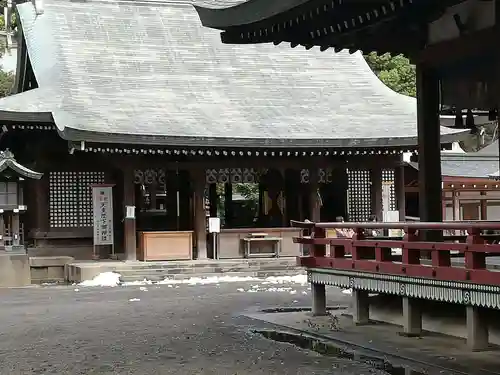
column 14, row 262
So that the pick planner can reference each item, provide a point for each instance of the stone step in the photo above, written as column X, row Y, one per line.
column 126, row 277
column 268, row 263
column 202, row 270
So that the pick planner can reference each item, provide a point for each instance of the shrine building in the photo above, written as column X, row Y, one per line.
column 140, row 97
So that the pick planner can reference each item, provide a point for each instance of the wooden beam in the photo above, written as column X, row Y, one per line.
column 473, row 44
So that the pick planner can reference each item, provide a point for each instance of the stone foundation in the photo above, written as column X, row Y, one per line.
column 48, row 269
column 14, row 270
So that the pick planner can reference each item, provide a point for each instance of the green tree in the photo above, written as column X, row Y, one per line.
column 6, row 83
column 395, row 71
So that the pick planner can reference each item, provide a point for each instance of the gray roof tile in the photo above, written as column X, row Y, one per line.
column 471, row 165
column 148, row 72
column 490, row 150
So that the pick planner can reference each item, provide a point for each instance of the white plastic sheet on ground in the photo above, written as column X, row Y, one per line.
column 110, row 279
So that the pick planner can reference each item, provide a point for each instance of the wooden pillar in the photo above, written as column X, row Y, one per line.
column 429, row 149
column 173, row 206
column 292, row 195
column 2, row 230
column 213, row 198
column 182, row 193
column 456, row 205
column 399, row 187
column 314, row 199
column 129, row 224
column 484, row 206
column 15, row 228
column 377, row 204
column 42, row 195
column 228, row 205
column 496, row 93
column 200, row 215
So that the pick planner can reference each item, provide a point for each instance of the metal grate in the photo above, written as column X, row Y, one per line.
column 70, row 198
column 359, row 194
column 388, row 180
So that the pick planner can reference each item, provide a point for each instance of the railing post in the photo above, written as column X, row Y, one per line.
column 410, row 256
column 475, row 260
column 358, row 253
column 441, row 258
column 319, row 250
column 318, row 291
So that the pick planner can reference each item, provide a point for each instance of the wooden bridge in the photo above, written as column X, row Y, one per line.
column 454, row 269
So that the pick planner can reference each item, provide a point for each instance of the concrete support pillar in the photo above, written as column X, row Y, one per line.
column 360, row 307
column 318, row 299
column 129, row 223
column 412, row 317
column 477, row 329
column 200, row 214
column 377, row 204
column 429, row 149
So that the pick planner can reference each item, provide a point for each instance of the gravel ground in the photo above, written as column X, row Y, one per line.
column 162, row 330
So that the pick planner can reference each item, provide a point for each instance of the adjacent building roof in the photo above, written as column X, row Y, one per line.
column 7, row 161
column 149, row 73
column 490, row 150
column 469, row 165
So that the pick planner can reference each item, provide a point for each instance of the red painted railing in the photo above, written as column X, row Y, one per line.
column 374, row 254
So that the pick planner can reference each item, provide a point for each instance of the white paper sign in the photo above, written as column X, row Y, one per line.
column 102, row 200
column 393, row 217
column 130, row 214
column 214, row 225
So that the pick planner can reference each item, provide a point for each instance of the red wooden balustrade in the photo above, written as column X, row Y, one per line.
column 374, row 255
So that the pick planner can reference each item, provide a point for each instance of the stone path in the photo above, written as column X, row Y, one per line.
column 185, row 329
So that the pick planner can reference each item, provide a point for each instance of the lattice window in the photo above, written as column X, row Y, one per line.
column 388, row 179
column 359, row 194
column 70, row 198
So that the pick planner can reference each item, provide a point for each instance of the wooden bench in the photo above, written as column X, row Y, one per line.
column 261, row 237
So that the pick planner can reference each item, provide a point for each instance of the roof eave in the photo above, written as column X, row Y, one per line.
column 22, row 117
column 246, row 13
column 19, row 169
column 77, row 135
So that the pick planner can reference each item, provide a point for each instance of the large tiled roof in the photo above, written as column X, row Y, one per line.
column 148, row 72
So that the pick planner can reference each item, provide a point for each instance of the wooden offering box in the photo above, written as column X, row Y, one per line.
column 165, row 246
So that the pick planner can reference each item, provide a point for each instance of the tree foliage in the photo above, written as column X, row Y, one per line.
column 6, row 83
column 395, row 71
